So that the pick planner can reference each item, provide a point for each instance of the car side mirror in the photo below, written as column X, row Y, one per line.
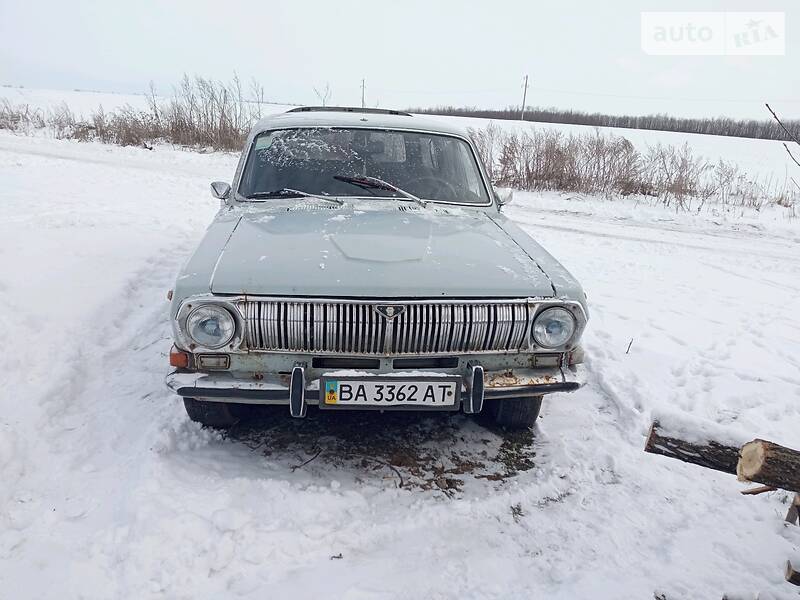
column 503, row 199
column 221, row 190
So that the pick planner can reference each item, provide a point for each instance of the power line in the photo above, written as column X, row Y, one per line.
column 587, row 93
column 625, row 96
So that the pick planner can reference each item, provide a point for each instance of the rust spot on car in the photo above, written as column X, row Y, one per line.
column 500, row 379
column 258, row 376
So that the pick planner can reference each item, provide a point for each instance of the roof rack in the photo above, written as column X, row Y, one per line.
column 350, row 109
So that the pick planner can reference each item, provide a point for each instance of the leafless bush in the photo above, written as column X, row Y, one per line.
column 611, row 166
column 204, row 113
column 200, row 113
column 486, row 141
column 551, row 160
column 675, row 175
column 19, row 118
column 65, row 125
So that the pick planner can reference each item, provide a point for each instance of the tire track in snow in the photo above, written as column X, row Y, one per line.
column 530, row 225
column 126, row 157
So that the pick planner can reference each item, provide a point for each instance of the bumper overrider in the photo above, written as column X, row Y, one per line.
column 301, row 387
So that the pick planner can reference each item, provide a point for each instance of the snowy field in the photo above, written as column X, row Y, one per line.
column 763, row 160
column 80, row 102
column 107, row 490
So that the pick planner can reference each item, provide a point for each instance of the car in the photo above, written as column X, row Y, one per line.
column 361, row 259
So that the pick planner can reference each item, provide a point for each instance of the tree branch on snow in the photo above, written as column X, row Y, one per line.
column 789, row 133
column 761, row 489
column 785, row 145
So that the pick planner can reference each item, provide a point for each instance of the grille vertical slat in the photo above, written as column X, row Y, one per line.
column 419, row 328
column 450, row 326
column 359, row 328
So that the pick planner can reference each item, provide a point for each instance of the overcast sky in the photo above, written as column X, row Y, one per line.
column 579, row 54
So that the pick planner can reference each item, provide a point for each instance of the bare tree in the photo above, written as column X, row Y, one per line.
column 257, row 93
column 324, row 94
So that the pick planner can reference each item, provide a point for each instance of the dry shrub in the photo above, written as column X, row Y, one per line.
column 610, row 166
column 20, row 118
column 200, row 113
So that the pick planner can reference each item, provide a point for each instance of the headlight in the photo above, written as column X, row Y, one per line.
column 553, row 327
column 210, row 326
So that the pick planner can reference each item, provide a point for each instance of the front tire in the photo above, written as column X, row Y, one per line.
column 515, row 413
column 211, row 414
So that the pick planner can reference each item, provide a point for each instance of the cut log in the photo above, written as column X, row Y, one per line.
column 792, row 576
column 770, row 464
column 793, row 514
column 710, row 454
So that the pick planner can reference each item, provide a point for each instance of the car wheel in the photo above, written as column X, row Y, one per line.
column 211, row 414
column 515, row 413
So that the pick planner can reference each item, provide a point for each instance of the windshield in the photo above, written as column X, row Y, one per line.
column 325, row 161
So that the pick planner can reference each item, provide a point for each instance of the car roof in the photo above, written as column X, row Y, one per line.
column 356, row 117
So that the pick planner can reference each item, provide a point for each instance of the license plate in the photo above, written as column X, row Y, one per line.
column 377, row 392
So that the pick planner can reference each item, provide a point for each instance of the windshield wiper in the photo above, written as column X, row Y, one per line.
column 290, row 193
column 367, row 182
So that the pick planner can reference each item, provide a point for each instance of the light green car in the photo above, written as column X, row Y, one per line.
column 360, row 261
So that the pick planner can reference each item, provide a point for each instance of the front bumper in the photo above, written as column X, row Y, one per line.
column 275, row 388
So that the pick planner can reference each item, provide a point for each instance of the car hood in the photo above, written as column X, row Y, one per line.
column 383, row 249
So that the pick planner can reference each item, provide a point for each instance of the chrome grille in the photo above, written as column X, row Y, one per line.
column 421, row 327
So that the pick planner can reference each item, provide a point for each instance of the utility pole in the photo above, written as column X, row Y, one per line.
column 363, row 87
column 524, row 99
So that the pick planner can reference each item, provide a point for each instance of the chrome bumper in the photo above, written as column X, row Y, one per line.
column 274, row 388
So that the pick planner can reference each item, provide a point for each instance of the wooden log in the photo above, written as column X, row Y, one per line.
column 792, row 576
column 793, row 514
column 710, row 454
column 770, row 464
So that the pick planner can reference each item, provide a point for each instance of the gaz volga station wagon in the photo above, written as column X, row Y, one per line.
column 360, row 260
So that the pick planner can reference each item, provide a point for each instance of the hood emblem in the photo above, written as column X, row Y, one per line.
column 389, row 311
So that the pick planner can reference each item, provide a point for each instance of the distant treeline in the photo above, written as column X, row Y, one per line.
column 765, row 129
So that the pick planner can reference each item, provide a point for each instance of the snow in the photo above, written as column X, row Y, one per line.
column 80, row 102
column 699, row 431
column 109, row 491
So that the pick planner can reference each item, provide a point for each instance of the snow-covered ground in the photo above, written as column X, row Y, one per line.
column 107, row 490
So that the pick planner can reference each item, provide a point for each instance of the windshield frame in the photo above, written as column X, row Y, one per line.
column 250, row 148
